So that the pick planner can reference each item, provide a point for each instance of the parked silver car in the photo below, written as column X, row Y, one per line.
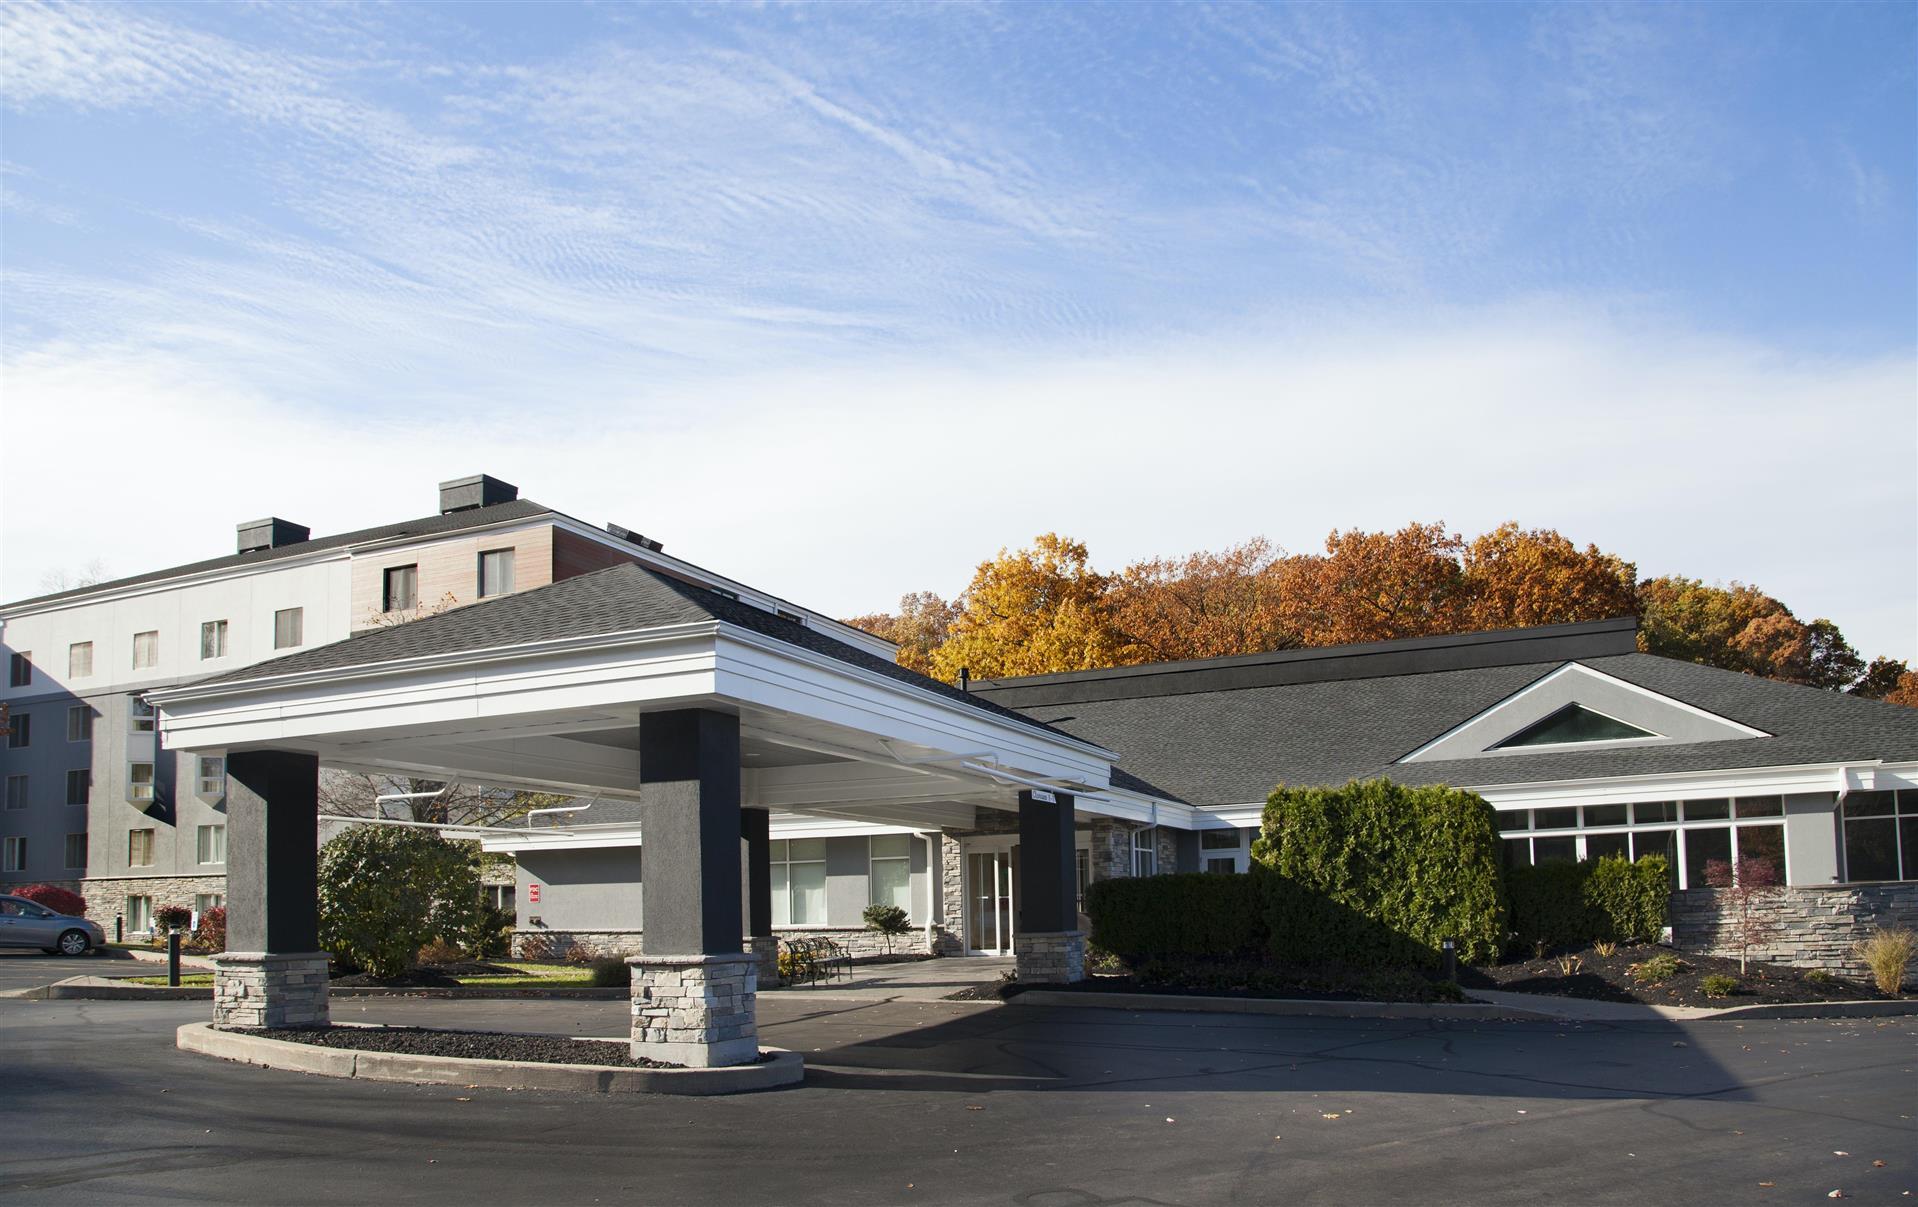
column 25, row 923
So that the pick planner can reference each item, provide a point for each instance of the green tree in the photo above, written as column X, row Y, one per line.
column 386, row 891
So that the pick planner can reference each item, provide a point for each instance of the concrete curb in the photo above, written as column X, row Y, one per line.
column 105, row 989
column 1295, row 1007
column 785, row 1068
column 1864, row 1009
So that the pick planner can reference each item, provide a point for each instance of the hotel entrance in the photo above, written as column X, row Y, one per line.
column 992, row 912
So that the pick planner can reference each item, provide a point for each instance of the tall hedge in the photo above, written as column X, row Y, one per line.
column 1195, row 914
column 1609, row 898
column 1379, row 873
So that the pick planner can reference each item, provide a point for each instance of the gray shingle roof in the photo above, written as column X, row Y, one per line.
column 1233, row 746
column 432, row 525
column 620, row 599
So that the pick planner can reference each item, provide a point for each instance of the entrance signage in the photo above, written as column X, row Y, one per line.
column 532, row 893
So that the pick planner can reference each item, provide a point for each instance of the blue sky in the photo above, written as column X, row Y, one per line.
column 841, row 299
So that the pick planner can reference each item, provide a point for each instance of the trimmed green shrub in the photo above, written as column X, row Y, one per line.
column 611, row 972
column 1610, row 898
column 1718, row 985
column 386, row 893
column 1662, row 966
column 1378, row 873
column 1194, row 915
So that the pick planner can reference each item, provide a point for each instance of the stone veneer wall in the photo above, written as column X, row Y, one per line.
column 1111, row 849
column 582, row 944
column 1050, row 957
column 107, row 896
column 270, row 990
column 1810, row 927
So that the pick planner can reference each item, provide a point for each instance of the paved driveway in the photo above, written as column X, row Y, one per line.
column 946, row 1102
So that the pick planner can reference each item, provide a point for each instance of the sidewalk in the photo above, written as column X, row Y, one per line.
column 914, row 981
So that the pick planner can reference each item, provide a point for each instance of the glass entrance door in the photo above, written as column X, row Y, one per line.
column 991, row 914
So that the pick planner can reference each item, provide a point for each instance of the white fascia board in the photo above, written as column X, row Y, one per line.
column 1688, row 785
column 788, row 678
column 1579, row 668
column 839, row 630
column 1214, row 817
column 649, row 667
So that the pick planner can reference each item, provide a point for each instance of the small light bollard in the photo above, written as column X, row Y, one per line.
column 173, row 958
column 1448, row 960
column 119, row 928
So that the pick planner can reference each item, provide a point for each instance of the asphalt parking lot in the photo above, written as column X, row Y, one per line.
column 945, row 1102
column 24, row 969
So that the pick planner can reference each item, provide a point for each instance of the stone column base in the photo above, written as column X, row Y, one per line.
column 270, row 989
column 766, row 949
column 1050, row 957
column 696, row 1011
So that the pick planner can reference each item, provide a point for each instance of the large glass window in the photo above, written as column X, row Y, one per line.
column 1702, row 847
column 1222, row 850
column 1766, row 844
column 1879, row 827
column 889, row 881
column 799, row 882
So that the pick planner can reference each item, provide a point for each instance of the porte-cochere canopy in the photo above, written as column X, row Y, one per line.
column 687, row 714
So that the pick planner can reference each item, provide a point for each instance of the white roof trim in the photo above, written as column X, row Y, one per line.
column 1580, row 669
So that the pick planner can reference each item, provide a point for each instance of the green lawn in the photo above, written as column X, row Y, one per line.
column 526, row 975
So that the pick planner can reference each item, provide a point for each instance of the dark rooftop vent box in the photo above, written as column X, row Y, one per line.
column 271, row 533
column 480, row 490
column 627, row 534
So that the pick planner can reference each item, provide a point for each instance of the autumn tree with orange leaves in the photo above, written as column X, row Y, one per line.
column 1045, row 609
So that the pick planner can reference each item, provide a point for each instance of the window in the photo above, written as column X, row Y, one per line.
column 146, row 649
column 890, row 879
column 495, row 572
column 14, row 857
column 80, row 660
column 288, row 628
column 139, row 914
column 212, row 639
column 500, row 897
column 79, row 723
column 20, row 670
column 799, row 882
column 140, row 782
column 79, row 786
column 1881, row 835
column 139, row 848
column 212, row 778
column 204, row 903
column 142, row 715
column 76, row 851
column 402, row 589
column 211, row 847
column 19, row 731
column 1223, row 850
column 1145, row 852
column 16, row 792
column 1573, row 723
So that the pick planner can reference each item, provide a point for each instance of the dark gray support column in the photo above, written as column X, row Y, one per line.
column 272, row 974
column 1049, row 946
column 694, row 988
column 755, row 832
column 272, row 851
column 689, row 790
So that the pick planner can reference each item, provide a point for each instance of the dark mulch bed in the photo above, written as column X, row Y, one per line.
column 1244, row 980
column 1609, row 979
column 473, row 1045
column 418, row 978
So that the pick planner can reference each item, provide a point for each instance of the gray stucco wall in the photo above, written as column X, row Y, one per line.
column 579, row 890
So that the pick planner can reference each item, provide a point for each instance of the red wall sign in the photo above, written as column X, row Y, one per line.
column 532, row 893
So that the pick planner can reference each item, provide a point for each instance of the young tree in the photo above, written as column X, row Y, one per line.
column 1745, row 889
column 889, row 920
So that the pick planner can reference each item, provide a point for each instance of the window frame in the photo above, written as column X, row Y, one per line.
column 1518, row 829
column 1145, row 855
column 1901, row 815
column 872, row 880
column 79, row 652
column 20, row 669
column 508, row 553
column 205, row 839
column 150, row 843
column 217, row 630
column 13, row 853
column 152, row 644
column 782, row 861
column 86, row 796
column 151, row 783
column 135, row 915
column 83, row 713
column 387, row 601
column 142, row 717
column 201, row 777
column 19, row 730
column 24, row 796
column 68, row 853
column 297, row 624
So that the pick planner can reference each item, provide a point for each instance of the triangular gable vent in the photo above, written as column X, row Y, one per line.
column 1573, row 723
